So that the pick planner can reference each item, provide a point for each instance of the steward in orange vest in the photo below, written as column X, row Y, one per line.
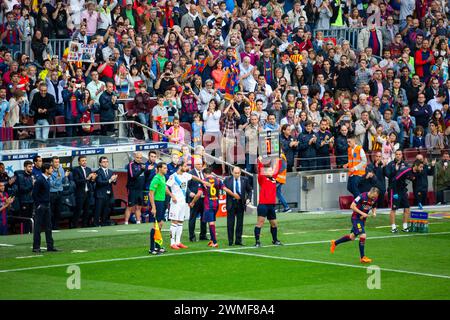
column 356, row 165
column 281, row 180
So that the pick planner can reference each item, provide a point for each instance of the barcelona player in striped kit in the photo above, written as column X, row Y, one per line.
column 361, row 206
column 211, row 202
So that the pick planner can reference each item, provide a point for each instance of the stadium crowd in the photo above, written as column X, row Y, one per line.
column 202, row 71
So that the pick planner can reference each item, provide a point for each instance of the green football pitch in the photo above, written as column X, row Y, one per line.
column 114, row 263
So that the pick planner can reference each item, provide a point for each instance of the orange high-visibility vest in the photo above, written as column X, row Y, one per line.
column 282, row 165
column 354, row 159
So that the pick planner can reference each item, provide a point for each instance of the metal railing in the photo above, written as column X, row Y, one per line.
column 58, row 46
column 340, row 34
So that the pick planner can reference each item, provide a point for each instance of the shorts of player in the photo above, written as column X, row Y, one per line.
column 179, row 211
column 135, row 198
column 358, row 227
column 146, row 199
column 401, row 202
column 160, row 211
column 209, row 216
column 267, row 211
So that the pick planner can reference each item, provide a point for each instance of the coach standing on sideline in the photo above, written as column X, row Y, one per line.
column 103, row 192
column 193, row 187
column 41, row 197
column 135, row 185
column 236, row 207
column 84, row 179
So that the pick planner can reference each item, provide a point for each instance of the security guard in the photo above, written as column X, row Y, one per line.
column 356, row 165
column 42, row 216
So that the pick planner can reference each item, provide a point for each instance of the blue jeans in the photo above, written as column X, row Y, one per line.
column 42, row 132
column 281, row 197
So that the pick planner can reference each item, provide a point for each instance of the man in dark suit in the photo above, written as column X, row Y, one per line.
column 193, row 187
column 103, row 192
column 108, row 105
column 236, row 208
column 84, row 179
column 42, row 216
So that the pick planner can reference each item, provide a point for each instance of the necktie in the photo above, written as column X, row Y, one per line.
column 85, row 177
column 200, row 174
column 236, row 188
column 106, row 173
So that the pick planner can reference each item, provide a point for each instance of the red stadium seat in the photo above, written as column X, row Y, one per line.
column 431, row 196
column 97, row 127
column 186, row 126
column 61, row 128
column 410, row 154
column 411, row 198
column 345, row 202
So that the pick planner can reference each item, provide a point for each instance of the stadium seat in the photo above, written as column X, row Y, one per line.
column 97, row 127
column 61, row 128
column 119, row 207
column 410, row 154
column 431, row 196
column 411, row 198
column 345, row 202
column 186, row 126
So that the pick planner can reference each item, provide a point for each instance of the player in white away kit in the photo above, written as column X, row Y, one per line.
column 179, row 209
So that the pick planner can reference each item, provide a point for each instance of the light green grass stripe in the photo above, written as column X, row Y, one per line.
column 202, row 251
column 333, row 263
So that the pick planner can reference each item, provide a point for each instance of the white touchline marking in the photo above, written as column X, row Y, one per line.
column 379, row 227
column 206, row 251
column 6, row 245
column 338, row 229
column 127, row 230
column 333, row 263
column 56, row 231
column 27, row 257
column 84, row 231
column 79, row 251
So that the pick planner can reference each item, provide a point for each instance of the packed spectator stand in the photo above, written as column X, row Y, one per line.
column 314, row 71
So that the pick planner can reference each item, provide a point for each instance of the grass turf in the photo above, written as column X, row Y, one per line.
column 117, row 265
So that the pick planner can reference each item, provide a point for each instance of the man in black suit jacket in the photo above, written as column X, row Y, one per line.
column 103, row 192
column 84, row 179
column 42, row 216
column 193, row 187
column 378, row 78
column 236, row 208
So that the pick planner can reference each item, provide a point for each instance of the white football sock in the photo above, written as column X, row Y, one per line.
column 138, row 222
column 394, row 226
column 179, row 232
column 173, row 232
column 405, row 225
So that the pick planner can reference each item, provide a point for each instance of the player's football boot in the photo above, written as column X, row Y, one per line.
column 153, row 253
column 174, row 247
column 161, row 250
column 277, row 243
column 333, row 246
column 394, row 230
column 215, row 245
column 182, row 246
column 258, row 244
column 406, row 230
column 210, row 243
column 366, row 260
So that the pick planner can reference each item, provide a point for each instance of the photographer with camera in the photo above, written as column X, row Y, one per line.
column 10, row 34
